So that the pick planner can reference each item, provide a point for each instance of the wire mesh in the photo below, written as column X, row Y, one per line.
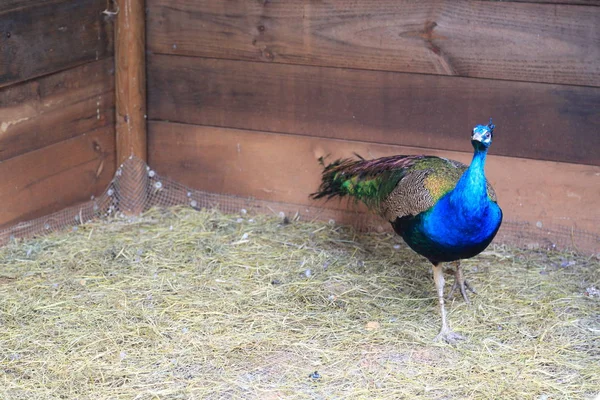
column 125, row 197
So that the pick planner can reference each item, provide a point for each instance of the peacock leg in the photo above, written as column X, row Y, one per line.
column 461, row 283
column 446, row 334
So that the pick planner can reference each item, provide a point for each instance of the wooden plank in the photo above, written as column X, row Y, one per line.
column 57, row 176
column 516, row 41
column 49, row 37
column 56, row 107
column 284, row 168
column 569, row 2
column 9, row 5
column 549, row 122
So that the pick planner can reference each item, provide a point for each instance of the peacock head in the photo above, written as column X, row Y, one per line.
column 481, row 137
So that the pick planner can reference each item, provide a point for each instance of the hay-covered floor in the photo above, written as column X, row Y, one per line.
column 183, row 304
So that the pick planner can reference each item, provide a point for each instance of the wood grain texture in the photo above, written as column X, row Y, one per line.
column 517, row 41
column 50, row 37
column 284, row 168
column 50, row 179
column 56, row 107
column 10, row 5
column 540, row 121
column 568, row 2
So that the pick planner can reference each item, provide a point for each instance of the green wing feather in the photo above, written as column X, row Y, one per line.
column 371, row 190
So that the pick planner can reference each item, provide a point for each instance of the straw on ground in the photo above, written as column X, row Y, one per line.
column 184, row 304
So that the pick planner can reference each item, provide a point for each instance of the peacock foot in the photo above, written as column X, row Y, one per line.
column 448, row 336
column 460, row 283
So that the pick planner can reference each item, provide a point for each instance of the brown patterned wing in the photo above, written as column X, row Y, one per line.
column 423, row 184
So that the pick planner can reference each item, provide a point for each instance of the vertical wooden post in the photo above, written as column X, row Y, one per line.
column 130, row 81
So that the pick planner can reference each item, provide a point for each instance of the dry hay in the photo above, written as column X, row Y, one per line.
column 183, row 304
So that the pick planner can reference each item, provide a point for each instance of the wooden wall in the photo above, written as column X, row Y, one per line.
column 57, row 145
column 245, row 96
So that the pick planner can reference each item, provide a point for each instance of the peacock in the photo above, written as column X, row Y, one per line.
column 444, row 210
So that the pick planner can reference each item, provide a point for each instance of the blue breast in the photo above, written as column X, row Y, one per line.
column 444, row 234
column 461, row 224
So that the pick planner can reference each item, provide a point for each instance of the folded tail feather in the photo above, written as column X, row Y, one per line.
column 369, row 181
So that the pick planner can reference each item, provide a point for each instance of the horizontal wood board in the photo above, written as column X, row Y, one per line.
column 6, row 5
column 47, row 110
column 569, row 2
column 539, row 121
column 551, row 43
column 54, row 177
column 10, row 5
column 285, row 168
column 51, row 36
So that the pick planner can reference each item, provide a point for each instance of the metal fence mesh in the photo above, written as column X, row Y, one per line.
column 125, row 197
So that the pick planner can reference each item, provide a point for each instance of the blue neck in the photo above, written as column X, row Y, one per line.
column 471, row 188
